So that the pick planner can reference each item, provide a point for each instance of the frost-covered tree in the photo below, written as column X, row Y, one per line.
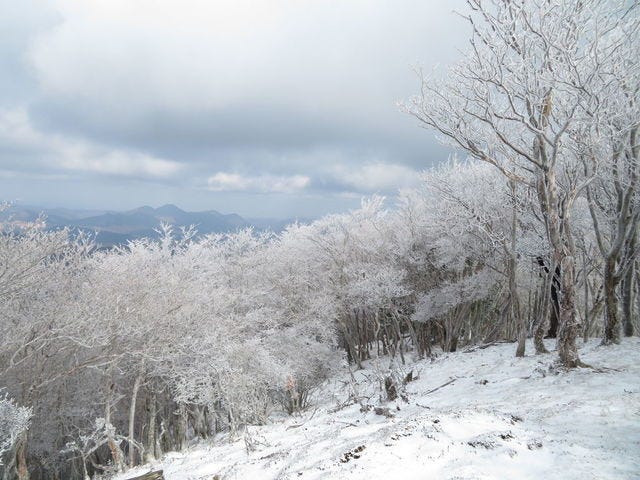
column 614, row 197
column 14, row 421
column 530, row 81
column 37, row 339
column 356, row 257
column 470, row 240
column 123, row 354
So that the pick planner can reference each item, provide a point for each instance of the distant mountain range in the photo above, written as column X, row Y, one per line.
column 113, row 228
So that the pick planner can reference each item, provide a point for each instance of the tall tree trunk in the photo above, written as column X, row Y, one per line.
column 22, row 470
column 557, row 216
column 352, row 352
column 627, row 301
column 587, row 318
column 554, row 312
column 114, row 448
column 150, row 447
column 132, row 420
column 542, row 312
column 514, row 299
column 569, row 322
column 181, row 430
column 597, row 305
column 611, row 323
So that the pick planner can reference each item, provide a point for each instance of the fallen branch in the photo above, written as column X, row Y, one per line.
column 486, row 345
column 349, row 424
column 443, row 385
column 157, row 475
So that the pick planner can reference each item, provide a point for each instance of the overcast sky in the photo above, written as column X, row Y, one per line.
column 265, row 108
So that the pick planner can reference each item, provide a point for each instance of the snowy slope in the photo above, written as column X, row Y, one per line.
column 501, row 418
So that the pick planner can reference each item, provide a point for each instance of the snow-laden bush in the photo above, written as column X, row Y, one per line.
column 442, row 299
column 14, row 420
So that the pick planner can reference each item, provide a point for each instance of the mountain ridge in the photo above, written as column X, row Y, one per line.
column 114, row 227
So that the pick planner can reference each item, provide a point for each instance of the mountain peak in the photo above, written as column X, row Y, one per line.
column 146, row 209
column 169, row 209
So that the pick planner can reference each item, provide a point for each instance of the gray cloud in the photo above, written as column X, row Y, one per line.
column 177, row 93
column 20, row 23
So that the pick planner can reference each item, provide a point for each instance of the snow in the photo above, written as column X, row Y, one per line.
column 500, row 418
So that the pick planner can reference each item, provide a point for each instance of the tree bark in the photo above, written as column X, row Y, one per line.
column 542, row 313
column 628, row 301
column 114, row 448
column 22, row 470
column 181, row 430
column 516, row 314
column 557, row 216
column 554, row 312
column 150, row 448
column 569, row 323
column 132, row 418
column 611, row 323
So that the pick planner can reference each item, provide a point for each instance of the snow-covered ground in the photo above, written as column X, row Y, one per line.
column 501, row 418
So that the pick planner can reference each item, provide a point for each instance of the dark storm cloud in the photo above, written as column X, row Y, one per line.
column 226, row 96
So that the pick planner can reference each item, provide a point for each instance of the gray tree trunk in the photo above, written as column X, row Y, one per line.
column 569, row 322
column 611, row 322
column 628, row 303
column 150, row 448
column 516, row 313
column 132, row 419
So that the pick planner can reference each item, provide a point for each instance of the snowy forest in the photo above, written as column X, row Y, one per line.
column 111, row 357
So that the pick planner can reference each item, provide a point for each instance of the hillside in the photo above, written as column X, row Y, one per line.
column 479, row 414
